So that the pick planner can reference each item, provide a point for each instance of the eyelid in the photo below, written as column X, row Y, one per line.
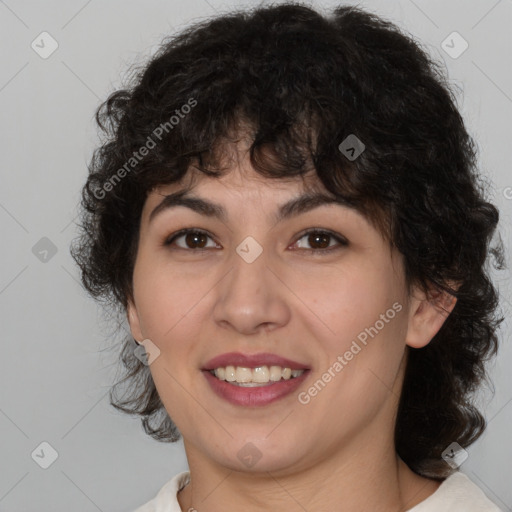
column 171, row 238
column 334, row 234
column 342, row 241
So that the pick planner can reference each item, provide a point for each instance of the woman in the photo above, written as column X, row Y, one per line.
column 287, row 212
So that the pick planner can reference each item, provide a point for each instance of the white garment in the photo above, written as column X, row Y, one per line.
column 457, row 493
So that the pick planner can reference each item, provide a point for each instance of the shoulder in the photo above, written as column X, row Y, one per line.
column 166, row 500
column 457, row 494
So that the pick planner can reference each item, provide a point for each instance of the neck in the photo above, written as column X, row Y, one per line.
column 365, row 479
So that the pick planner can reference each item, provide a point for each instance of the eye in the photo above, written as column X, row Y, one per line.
column 318, row 239
column 196, row 240
column 193, row 239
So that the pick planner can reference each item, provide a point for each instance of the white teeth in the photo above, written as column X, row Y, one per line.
column 275, row 373
column 251, row 377
column 230, row 374
column 260, row 374
column 243, row 374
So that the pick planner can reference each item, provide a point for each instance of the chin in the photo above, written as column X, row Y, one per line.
column 258, row 454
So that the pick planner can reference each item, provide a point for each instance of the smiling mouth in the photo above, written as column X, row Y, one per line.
column 255, row 377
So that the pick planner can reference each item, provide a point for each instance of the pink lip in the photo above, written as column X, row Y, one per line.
column 252, row 361
column 255, row 396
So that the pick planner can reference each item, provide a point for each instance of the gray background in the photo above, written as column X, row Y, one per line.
column 58, row 355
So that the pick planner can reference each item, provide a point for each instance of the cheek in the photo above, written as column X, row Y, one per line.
column 346, row 300
column 167, row 298
column 169, row 306
column 363, row 320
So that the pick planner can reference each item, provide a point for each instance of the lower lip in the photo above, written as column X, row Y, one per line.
column 254, row 396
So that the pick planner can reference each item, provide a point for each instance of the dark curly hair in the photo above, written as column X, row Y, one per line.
column 300, row 83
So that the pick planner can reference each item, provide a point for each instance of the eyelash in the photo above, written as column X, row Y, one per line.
column 342, row 241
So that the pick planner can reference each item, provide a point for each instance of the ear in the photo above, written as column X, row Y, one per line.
column 133, row 321
column 427, row 314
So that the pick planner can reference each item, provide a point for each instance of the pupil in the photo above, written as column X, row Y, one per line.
column 192, row 238
column 314, row 238
column 195, row 238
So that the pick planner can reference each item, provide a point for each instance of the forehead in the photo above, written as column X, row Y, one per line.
column 242, row 195
column 240, row 181
column 241, row 191
column 244, row 183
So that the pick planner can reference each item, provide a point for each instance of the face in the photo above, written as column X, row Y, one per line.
column 249, row 291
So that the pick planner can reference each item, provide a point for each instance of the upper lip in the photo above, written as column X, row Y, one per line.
column 252, row 361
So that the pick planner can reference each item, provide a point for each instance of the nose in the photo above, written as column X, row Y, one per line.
column 252, row 296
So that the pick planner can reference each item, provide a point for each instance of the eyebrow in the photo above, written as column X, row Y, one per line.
column 294, row 206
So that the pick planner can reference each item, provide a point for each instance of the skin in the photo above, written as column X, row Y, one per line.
column 335, row 452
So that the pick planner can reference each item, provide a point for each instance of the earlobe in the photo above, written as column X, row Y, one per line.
column 427, row 315
column 133, row 321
